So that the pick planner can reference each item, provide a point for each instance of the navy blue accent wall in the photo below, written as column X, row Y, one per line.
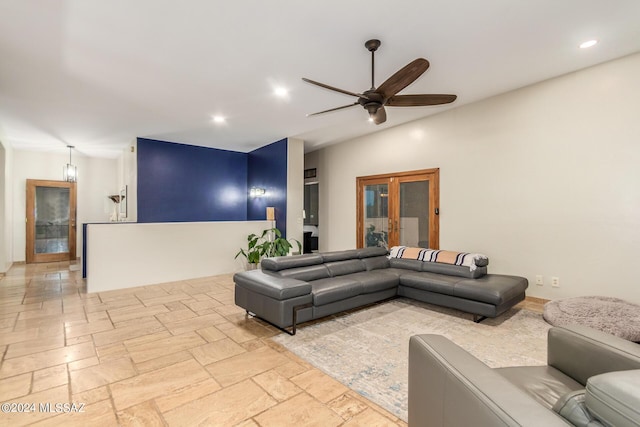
column 182, row 183
column 267, row 168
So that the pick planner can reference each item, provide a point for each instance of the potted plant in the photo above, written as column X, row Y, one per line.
column 268, row 244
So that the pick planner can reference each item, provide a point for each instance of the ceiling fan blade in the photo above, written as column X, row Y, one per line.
column 346, row 92
column 380, row 116
column 419, row 100
column 403, row 78
column 333, row 109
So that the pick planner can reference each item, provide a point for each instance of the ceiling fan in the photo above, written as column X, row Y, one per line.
column 375, row 99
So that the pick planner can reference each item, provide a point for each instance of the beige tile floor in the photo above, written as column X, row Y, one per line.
column 177, row 353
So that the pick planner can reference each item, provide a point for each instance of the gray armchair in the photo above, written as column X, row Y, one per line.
column 591, row 379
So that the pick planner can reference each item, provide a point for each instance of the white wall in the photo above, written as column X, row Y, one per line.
column 97, row 178
column 544, row 180
column 128, row 175
column 295, row 189
column 6, row 207
column 123, row 255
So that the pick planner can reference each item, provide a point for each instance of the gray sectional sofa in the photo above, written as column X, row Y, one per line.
column 295, row 289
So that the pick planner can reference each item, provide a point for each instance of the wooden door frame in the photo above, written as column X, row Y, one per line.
column 360, row 183
column 31, row 256
column 394, row 180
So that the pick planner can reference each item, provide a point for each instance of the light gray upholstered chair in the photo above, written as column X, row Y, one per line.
column 591, row 379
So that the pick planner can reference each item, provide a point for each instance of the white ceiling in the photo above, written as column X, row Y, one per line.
column 98, row 73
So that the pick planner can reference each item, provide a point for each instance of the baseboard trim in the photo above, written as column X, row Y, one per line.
column 537, row 300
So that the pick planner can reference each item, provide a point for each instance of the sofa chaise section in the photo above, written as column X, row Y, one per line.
column 321, row 288
column 281, row 301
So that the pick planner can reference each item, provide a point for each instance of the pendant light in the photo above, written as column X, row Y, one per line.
column 70, row 172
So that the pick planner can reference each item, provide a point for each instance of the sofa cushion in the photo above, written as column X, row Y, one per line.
column 407, row 264
column 374, row 281
column 396, row 271
column 453, row 270
column 494, row 289
column 312, row 272
column 326, row 291
column 373, row 251
column 340, row 268
column 284, row 262
column 340, row 255
column 431, row 282
column 375, row 263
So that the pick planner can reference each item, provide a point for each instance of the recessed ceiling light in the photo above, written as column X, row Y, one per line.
column 218, row 119
column 588, row 43
column 281, row 92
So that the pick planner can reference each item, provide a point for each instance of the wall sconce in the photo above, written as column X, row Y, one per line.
column 271, row 213
column 70, row 172
column 257, row 192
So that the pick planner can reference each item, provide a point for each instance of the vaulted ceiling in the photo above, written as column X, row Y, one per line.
column 96, row 74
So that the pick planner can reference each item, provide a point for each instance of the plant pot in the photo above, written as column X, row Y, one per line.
column 251, row 266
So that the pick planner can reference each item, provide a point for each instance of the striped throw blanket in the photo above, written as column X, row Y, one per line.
column 464, row 259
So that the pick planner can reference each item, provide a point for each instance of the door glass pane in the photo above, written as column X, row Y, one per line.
column 52, row 220
column 414, row 214
column 376, row 215
column 311, row 204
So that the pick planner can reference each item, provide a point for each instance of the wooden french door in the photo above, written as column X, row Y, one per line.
column 51, row 221
column 399, row 209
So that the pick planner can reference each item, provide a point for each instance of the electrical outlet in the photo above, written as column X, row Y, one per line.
column 555, row 282
column 539, row 280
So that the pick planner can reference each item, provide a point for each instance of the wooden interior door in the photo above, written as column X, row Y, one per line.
column 399, row 209
column 374, row 223
column 51, row 221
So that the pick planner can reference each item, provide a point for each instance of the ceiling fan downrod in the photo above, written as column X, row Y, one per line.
column 372, row 45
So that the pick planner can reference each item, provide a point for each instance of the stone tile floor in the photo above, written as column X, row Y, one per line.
column 177, row 353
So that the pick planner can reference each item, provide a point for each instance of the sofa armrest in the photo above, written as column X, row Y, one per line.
column 278, row 288
column 581, row 352
column 450, row 387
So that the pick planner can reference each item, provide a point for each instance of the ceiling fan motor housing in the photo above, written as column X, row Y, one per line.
column 372, row 102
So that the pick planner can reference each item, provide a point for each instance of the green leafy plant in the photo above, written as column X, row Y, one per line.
column 269, row 244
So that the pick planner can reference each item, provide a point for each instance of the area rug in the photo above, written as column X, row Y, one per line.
column 367, row 350
column 612, row 315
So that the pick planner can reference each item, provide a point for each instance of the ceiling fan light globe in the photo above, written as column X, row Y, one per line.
column 372, row 107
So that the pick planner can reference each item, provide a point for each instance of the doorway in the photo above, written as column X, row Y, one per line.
column 399, row 209
column 310, row 228
column 51, row 221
